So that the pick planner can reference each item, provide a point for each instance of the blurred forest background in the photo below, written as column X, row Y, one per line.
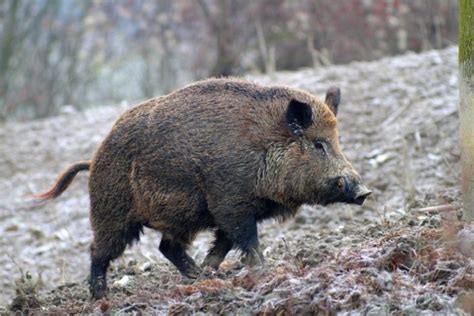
column 65, row 55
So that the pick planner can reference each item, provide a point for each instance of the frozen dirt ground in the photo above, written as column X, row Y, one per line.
column 398, row 124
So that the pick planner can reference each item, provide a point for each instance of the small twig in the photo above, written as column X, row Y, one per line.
column 418, row 139
column 410, row 189
column 287, row 248
column 16, row 264
column 450, row 167
column 123, row 310
column 62, row 272
column 134, row 305
column 394, row 115
column 437, row 209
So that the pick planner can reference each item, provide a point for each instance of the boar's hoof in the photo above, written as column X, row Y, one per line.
column 192, row 272
column 212, row 261
column 98, row 288
column 253, row 257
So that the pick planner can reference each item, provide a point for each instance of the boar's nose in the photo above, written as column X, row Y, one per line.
column 361, row 193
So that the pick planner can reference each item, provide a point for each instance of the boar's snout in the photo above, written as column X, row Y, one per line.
column 352, row 190
column 361, row 194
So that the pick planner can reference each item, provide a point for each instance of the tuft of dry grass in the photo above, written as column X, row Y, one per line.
column 26, row 297
column 209, row 286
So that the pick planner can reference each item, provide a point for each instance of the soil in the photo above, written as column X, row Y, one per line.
column 399, row 126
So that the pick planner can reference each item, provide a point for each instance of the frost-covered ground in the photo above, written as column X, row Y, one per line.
column 398, row 122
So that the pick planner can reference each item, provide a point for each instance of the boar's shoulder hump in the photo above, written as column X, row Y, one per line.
column 237, row 87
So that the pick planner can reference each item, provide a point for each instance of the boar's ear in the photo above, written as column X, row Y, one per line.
column 333, row 97
column 299, row 116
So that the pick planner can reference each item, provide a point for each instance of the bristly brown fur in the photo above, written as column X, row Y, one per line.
column 219, row 154
column 63, row 181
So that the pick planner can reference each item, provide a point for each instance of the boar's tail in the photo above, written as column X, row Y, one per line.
column 64, row 180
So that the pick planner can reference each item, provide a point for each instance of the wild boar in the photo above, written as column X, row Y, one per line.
column 220, row 154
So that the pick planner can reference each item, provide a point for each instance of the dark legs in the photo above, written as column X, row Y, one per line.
column 176, row 253
column 108, row 244
column 247, row 241
column 215, row 256
column 234, row 230
column 98, row 281
column 101, row 255
column 238, row 228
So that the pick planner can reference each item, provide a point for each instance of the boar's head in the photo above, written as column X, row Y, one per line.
column 308, row 167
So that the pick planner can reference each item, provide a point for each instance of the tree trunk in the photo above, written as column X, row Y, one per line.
column 466, row 105
column 7, row 49
column 220, row 25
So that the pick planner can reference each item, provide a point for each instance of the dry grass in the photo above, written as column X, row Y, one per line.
column 416, row 267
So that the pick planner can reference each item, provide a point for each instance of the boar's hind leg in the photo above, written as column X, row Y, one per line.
column 176, row 253
column 98, row 283
column 215, row 256
column 241, row 228
column 108, row 244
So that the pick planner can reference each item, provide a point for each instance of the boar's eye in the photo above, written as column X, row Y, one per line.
column 321, row 146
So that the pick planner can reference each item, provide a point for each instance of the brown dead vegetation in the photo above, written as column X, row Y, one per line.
column 417, row 265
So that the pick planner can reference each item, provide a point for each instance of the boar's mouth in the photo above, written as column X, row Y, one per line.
column 361, row 195
column 344, row 190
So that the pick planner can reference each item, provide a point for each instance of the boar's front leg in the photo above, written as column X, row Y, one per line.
column 240, row 226
column 215, row 256
column 175, row 252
